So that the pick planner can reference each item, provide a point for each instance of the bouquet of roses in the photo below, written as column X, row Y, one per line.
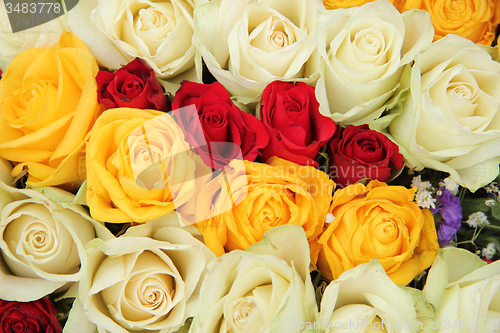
column 247, row 166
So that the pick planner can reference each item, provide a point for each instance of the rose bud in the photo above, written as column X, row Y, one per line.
column 225, row 131
column 134, row 86
column 360, row 153
column 297, row 130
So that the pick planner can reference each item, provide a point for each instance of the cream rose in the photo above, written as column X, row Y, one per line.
column 451, row 121
column 464, row 290
column 366, row 298
column 160, row 32
column 361, row 56
column 144, row 280
column 248, row 44
column 267, row 288
column 42, row 242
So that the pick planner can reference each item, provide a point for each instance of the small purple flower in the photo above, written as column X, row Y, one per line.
column 450, row 210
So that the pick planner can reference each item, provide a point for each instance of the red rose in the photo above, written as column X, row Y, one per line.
column 133, row 86
column 362, row 153
column 297, row 130
column 31, row 317
column 226, row 129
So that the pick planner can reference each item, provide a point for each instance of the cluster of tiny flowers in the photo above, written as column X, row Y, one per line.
column 423, row 197
column 419, row 184
column 477, row 219
column 489, row 251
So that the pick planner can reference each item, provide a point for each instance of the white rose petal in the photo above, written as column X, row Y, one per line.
column 464, row 288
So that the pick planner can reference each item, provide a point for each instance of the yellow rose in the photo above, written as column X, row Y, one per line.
column 382, row 222
column 139, row 167
column 262, row 197
column 48, row 103
column 473, row 19
column 334, row 4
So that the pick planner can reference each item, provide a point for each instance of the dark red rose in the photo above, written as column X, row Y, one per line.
column 360, row 152
column 216, row 127
column 28, row 317
column 132, row 86
column 297, row 130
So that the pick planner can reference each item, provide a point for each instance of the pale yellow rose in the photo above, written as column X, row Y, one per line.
column 366, row 299
column 146, row 280
column 248, row 44
column 361, row 55
column 264, row 289
column 48, row 104
column 42, row 242
column 451, row 120
column 157, row 31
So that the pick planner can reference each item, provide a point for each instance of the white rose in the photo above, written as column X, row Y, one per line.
column 160, row 32
column 365, row 299
column 144, row 280
column 264, row 289
column 361, row 56
column 42, row 242
column 248, row 44
column 450, row 122
column 465, row 291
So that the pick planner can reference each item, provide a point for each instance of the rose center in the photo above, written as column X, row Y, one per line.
column 242, row 309
column 38, row 239
column 18, row 326
column 150, row 19
column 462, row 97
column 273, row 34
column 131, row 87
column 368, row 44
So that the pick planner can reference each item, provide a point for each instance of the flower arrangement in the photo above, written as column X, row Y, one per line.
column 243, row 166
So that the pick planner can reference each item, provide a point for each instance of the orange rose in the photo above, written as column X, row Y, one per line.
column 382, row 222
column 263, row 196
column 334, row 4
column 472, row 19
column 48, row 104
